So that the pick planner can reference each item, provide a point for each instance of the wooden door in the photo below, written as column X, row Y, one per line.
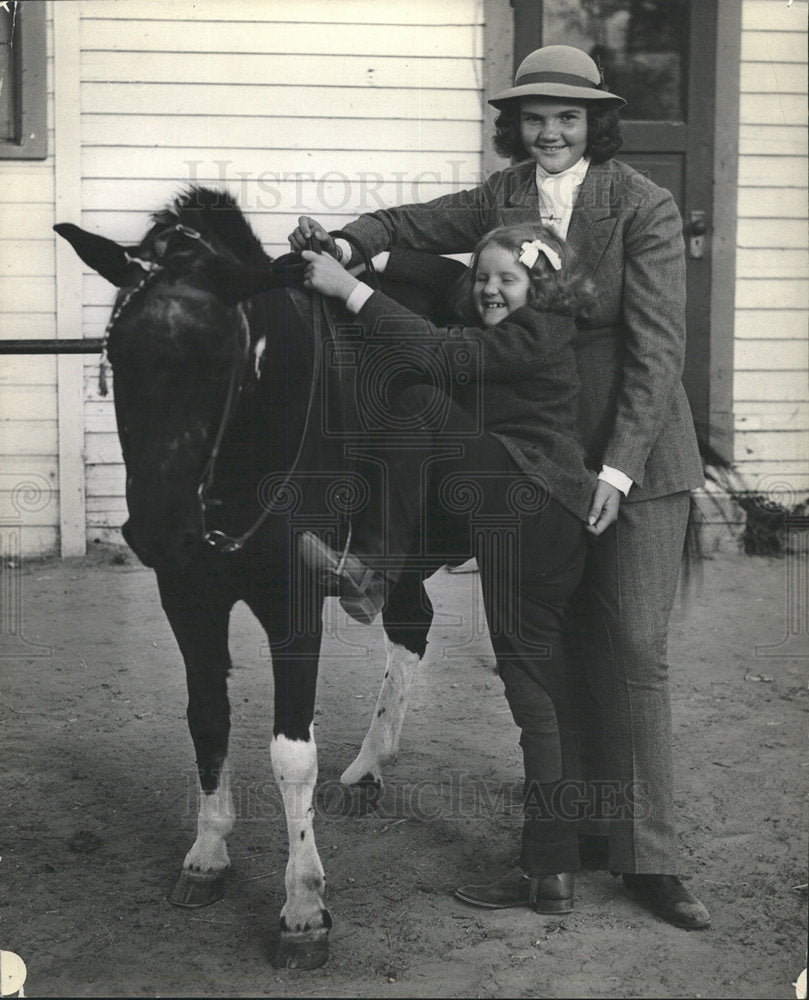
column 660, row 55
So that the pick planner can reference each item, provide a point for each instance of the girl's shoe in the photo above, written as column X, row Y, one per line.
column 361, row 589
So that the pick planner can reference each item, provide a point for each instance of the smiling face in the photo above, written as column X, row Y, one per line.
column 554, row 132
column 501, row 284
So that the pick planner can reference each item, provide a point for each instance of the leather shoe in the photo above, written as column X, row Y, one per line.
column 361, row 589
column 666, row 896
column 543, row 893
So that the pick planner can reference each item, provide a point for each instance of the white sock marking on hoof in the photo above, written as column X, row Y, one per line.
column 294, row 764
column 381, row 743
column 215, row 820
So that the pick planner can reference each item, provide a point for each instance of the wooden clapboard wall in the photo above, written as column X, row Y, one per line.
column 351, row 105
column 771, row 379
column 347, row 107
column 29, row 441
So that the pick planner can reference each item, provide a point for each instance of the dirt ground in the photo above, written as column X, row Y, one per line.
column 98, row 808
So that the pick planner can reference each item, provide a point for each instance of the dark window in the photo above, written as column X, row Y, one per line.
column 23, row 67
column 641, row 46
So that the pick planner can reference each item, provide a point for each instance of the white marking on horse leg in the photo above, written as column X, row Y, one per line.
column 215, row 820
column 294, row 764
column 258, row 355
column 381, row 743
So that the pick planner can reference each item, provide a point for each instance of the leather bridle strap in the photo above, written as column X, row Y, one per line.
column 283, row 269
column 362, row 253
column 235, row 383
column 218, row 539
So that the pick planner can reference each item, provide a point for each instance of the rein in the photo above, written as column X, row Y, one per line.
column 235, row 385
column 286, row 266
column 218, row 540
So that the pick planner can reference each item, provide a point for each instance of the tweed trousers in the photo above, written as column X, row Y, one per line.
column 616, row 639
column 457, row 492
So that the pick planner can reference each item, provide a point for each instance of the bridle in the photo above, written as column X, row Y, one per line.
column 286, row 268
column 218, row 540
column 151, row 269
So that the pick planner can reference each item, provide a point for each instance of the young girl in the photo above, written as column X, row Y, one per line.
column 495, row 471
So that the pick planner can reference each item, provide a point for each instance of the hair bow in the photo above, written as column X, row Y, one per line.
column 529, row 253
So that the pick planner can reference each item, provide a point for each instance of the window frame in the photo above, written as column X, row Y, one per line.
column 30, row 85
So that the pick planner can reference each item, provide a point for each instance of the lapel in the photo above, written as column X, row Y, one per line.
column 593, row 219
column 525, row 194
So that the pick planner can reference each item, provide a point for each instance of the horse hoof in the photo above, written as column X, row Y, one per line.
column 195, row 889
column 364, row 796
column 358, row 799
column 303, row 950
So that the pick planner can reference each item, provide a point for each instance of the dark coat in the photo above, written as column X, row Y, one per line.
column 521, row 381
column 626, row 234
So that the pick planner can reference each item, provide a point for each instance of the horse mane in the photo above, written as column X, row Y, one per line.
column 216, row 216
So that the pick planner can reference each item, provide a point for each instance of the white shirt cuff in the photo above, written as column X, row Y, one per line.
column 345, row 249
column 357, row 299
column 620, row 480
column 380, row 261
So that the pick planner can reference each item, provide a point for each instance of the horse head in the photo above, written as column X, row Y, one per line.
column 179, row 343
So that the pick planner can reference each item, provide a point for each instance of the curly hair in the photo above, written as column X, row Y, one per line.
column 564, row 291
column 603, row 132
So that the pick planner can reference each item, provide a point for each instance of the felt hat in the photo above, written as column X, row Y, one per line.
column 558, row 71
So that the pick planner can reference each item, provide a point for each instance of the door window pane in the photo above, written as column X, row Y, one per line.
column 639, row 44
column 8, row 74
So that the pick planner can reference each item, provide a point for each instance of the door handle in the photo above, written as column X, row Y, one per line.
column 697, row 232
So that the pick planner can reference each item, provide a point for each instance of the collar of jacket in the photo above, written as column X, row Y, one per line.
column 593, row 218
column 594, row 197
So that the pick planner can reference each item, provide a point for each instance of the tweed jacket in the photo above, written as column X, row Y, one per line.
column 626, row 234
column 522, row 383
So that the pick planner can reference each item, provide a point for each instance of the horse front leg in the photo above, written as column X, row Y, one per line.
column 407, row 618
column 201, row 629
column 305, row 921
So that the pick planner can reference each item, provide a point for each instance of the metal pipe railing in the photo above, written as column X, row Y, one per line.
column 89, row 345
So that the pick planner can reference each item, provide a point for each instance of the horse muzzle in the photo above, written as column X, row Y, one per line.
column 175, row 552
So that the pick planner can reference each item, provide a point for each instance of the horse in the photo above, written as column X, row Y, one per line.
column 221, row 394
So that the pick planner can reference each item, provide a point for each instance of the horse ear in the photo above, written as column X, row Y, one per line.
column 104, row 256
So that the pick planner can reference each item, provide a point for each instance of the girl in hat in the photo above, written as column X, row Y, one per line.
column 524, row 467
column 561, row 123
